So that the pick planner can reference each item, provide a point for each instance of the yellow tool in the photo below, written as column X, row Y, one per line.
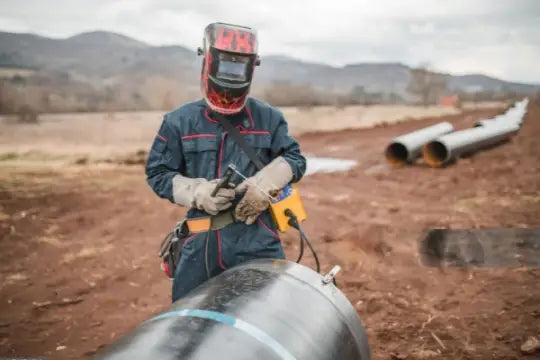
column 287, row 198
column 286, row 208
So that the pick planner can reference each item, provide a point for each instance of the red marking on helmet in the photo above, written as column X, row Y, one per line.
column 235, row 40
column 221, row 100
column 244, row 42
column 224, row 39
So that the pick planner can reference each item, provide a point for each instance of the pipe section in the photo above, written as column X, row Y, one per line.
column 443, row 150
column 263, row 309
column 514, row 115
column 406, row 148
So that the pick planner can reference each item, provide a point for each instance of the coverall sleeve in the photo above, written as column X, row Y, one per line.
column 285, row 145
column 165, row 160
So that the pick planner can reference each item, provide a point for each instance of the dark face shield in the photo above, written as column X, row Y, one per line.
column 232, row 67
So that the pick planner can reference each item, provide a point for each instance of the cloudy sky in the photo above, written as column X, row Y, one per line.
column 495, row 37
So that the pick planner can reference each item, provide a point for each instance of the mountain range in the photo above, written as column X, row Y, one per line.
column 131, row 69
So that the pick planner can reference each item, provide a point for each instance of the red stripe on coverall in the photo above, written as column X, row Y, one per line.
column 189, row 238
column 220, row 160
column 250, row 117
column 255, row 132
column 268, row 228
column 220, row 257
column 207, row 116
column 195, row 136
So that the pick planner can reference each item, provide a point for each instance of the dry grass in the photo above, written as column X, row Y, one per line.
column 101, row 135
column 330, row 118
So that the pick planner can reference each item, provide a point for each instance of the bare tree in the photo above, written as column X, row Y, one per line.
column 429, row 86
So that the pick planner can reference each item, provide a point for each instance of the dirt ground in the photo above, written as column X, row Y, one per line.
column 78, row 248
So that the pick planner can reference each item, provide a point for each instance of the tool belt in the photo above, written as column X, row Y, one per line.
column 170, row 249
column 209, row 223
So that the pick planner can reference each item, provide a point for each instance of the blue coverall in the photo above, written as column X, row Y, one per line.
column 192, row 143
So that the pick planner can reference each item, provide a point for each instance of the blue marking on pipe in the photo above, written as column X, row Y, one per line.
column 247, row 328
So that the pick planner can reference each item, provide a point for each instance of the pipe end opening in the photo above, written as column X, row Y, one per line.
column 435, row 154
column 397, row 154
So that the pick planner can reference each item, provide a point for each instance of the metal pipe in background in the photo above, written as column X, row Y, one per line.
column 485, row 122
column 263, row 309
column 515, row 114
column 446, row 148
column 406, row 148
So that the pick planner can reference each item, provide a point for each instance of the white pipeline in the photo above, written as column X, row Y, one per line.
column 406, row 148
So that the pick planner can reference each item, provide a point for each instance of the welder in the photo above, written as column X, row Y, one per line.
column 198, row 141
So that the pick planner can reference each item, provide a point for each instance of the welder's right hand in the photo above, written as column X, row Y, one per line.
column 197, row 193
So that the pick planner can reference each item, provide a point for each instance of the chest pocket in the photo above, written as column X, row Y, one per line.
column 200, row 154
column 262, row 144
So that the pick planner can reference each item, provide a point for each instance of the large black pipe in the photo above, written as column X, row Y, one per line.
column 264, row 309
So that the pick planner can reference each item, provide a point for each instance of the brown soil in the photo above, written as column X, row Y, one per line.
column 78, row 248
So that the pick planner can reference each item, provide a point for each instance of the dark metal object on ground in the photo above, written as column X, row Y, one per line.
column 446, row 148
column 406, row 148
column 264, row 309
column 498, row 248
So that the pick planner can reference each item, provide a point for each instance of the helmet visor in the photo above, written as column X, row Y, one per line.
column 232, row 67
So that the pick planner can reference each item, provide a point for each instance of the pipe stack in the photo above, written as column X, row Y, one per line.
column 445, row 149
column 513, row 115
column 440, row 146
column 405, row 149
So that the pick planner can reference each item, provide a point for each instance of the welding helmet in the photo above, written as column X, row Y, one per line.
column 230, row 57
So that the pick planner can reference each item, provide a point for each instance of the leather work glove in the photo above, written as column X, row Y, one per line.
column 196, row 193
column 268, row 181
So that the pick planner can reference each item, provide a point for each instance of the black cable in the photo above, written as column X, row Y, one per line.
column 301, row 254
column 293, row 221
column 303, row 234
column 206, row 254
column 165, row 244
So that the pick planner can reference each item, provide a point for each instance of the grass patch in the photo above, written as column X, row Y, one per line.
column 32, row 155
column 9, row 156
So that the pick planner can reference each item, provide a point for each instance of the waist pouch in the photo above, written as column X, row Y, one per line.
column 170, row 250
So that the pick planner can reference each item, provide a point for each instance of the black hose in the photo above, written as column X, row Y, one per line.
column 293, row 221
column 206, row 254
column 165, row 244
column 301, row 254
column 303, row 235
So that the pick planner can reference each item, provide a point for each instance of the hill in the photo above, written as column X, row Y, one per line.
column 110, row 70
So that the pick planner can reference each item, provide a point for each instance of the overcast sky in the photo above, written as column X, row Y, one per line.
column 495, row 37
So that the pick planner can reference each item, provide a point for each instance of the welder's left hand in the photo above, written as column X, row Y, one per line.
column 257, row 189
